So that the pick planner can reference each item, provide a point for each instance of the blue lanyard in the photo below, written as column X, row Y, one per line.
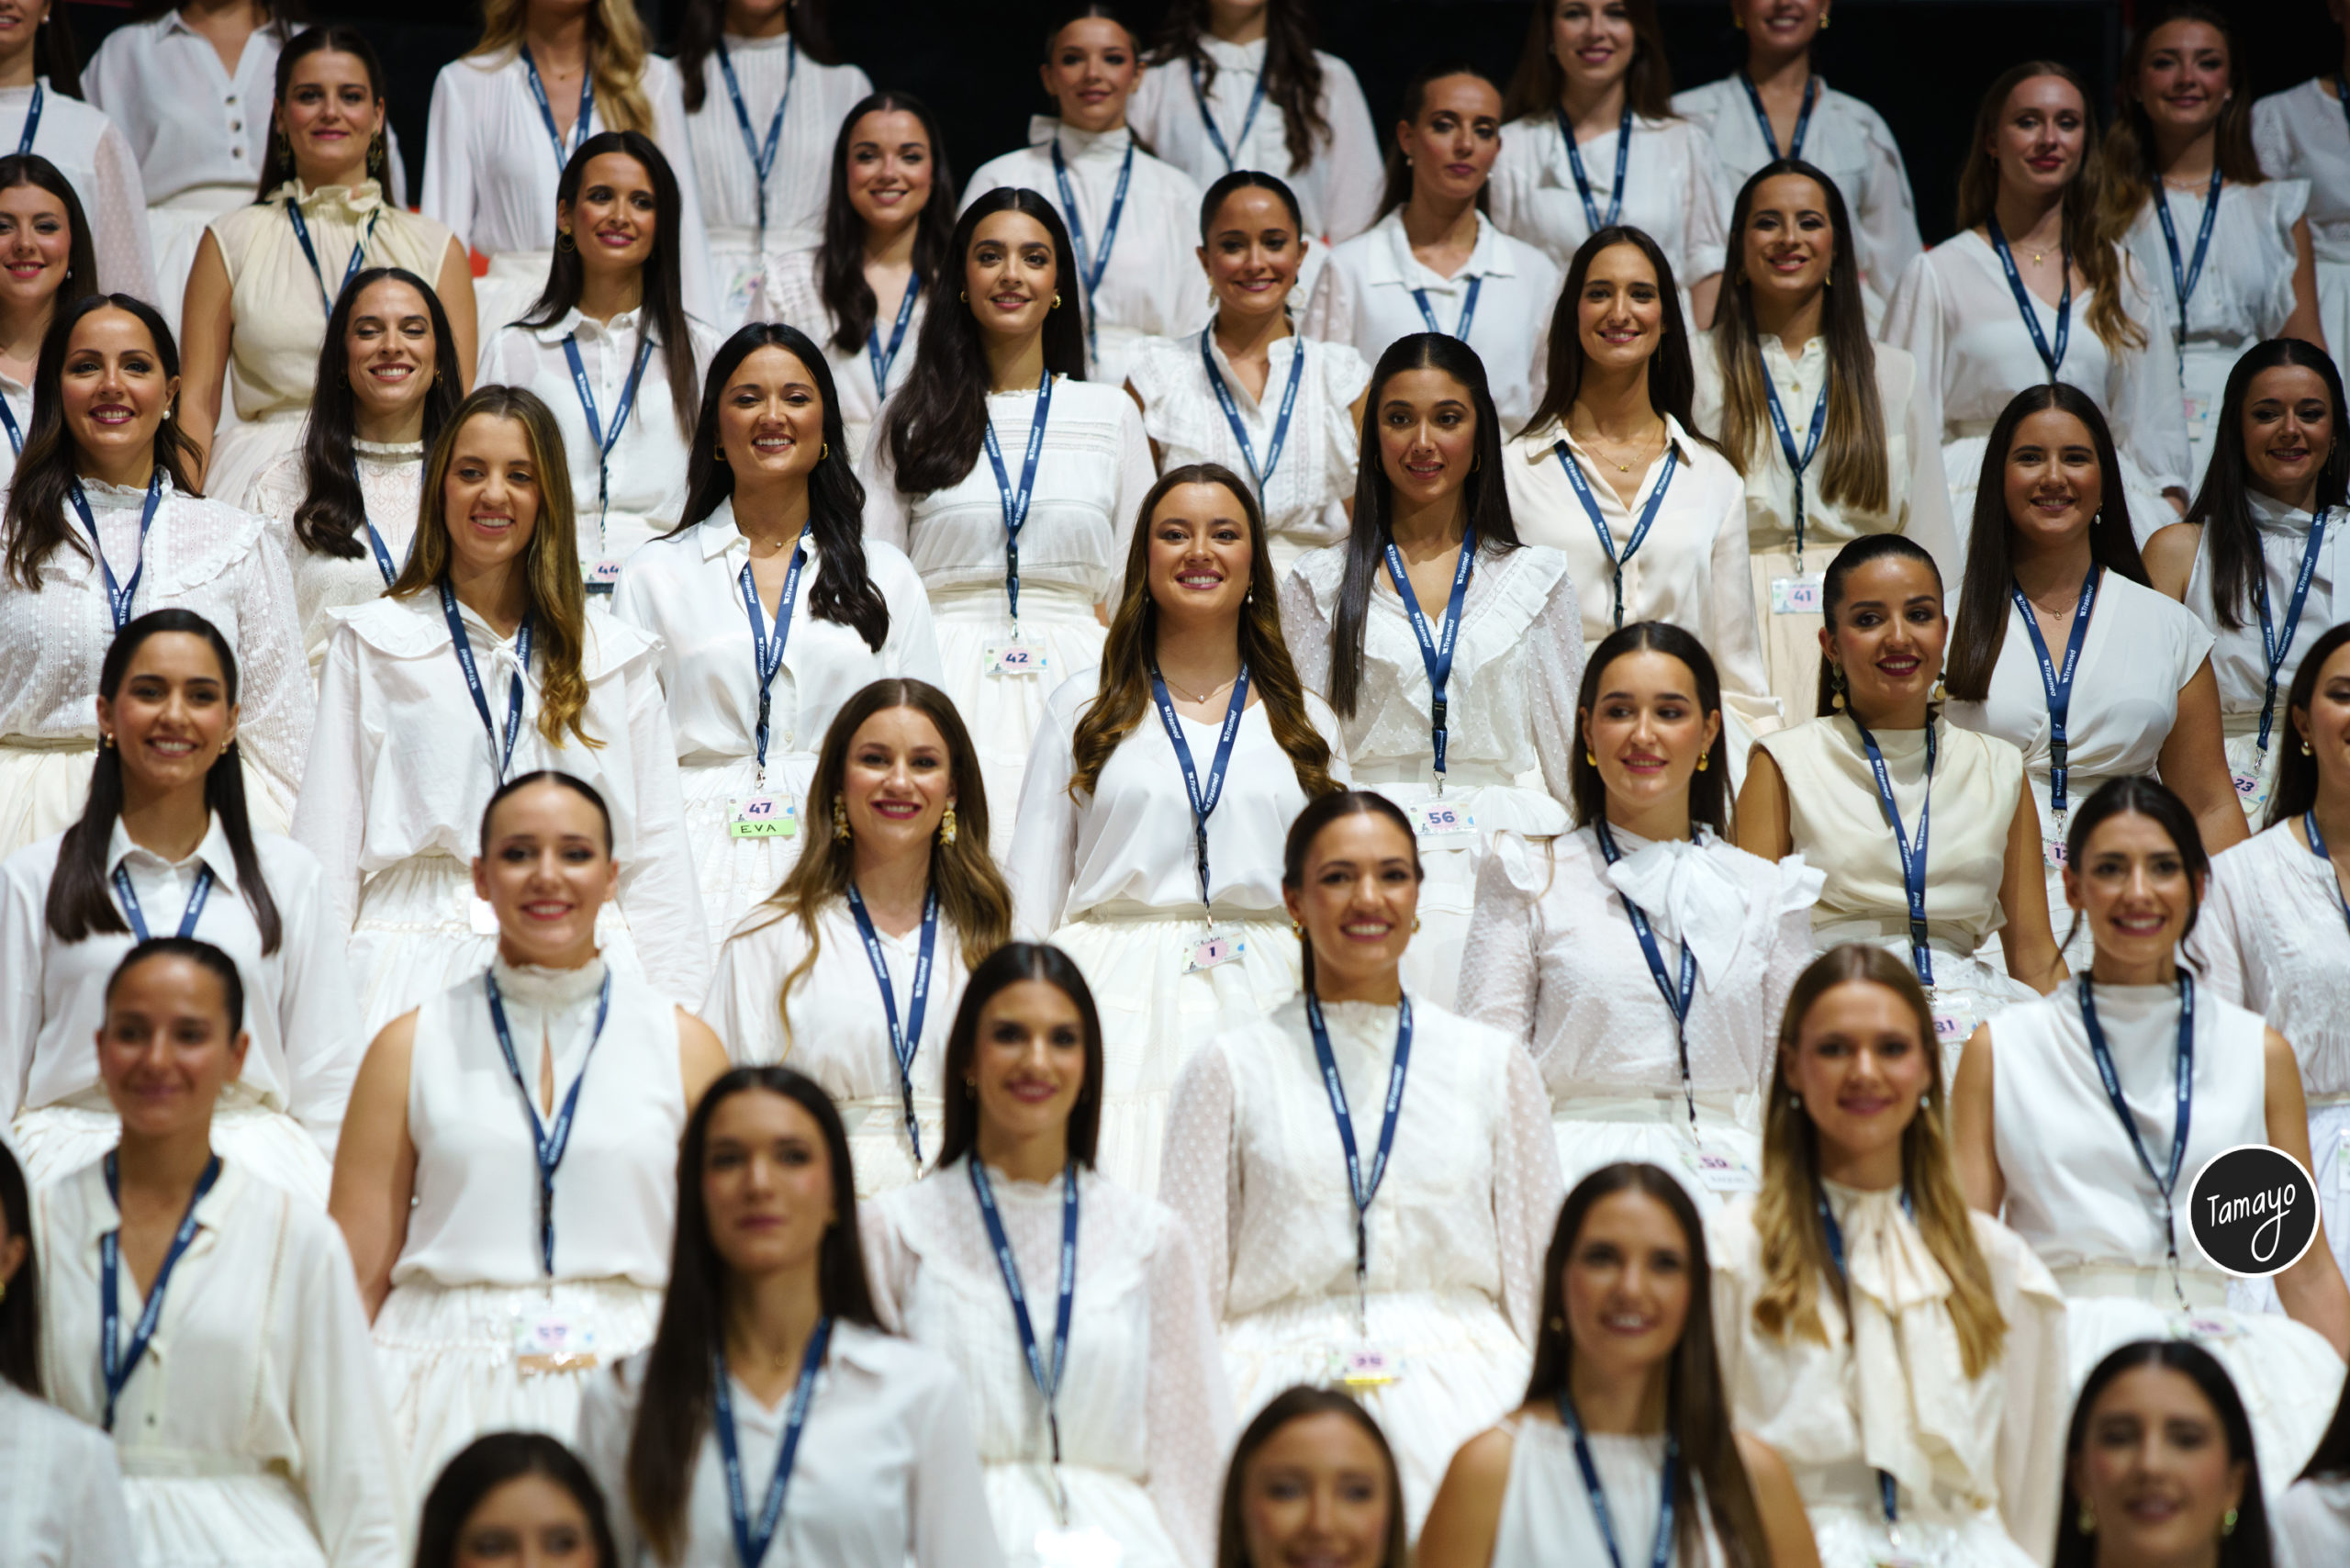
column 32, row 121
column 906, row 1040
column 2183, row 1073
column 1797, row 463
column 1435, row 647
column 1661, row 1548
column 1263, row 476
column 1016, row 502
column 115, row 1362
column 310, row 252
column 2275, row 645
column 1763, row 116
column 1888, row 1491
column 750, row 1542
column 1248, row 121
column 1639, row 529
column 546, row 112
column 596, row 438
column 762, row 158
column 1913, row 865
column 1583, row 182
column 880, row 360
column 129, row 895
column 503, row 755
column 1677, row 998
column 120, row 595
column 2184, row 275
column 1468, row 310
column 15, row 432
column 547, row 1142
column 383, row 555
column 768, row 656
column 1046, row 1379
column 1090, row 268
column 2317, row 847
column 1360, row 1188
column 2057, row 684
column 1204, row 797
column 2052, row 358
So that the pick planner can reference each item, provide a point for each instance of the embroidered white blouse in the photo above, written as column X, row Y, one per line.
column 1672, row 189
column 391, row 485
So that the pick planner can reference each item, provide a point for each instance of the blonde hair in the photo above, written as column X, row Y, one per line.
column 616, row 56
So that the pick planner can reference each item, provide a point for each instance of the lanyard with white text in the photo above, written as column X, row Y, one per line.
column 750, row 1540
column 1363, row 1188
column 2183, row 1073
column 32, row 121
column 1016, row 502
column 2184, row 274
column 2317, row 847
column 1468, row 310
column 1203, row 796
column 120, row 595
column 1763, row 116
column 1247, row 122
column 1798, row 465
column 1224, row 400
column 1913, row 862
column 2052, row 358
column 768, row 656
column 881, row 359
column 117, row 1362
column 383, row 553
column 310, row 252
column 547, row 1143
column 500, row 754
column 1888, row 1491
column 904, row 1040
column 2056, row 684
column 562, row 148
column 761, row 157
column 1661, row 1548
column 2275, row 643
column 1047, row 1379
column 598, row 437
column 1599, row 521
column 1677, row 998
column 1582, row 183
column 128, row 896
column 1091, row 265
column 1435, row 647
column 15, row 432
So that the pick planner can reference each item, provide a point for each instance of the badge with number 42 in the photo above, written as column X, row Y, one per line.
column 1015, row 658
column 762, row 816
column 1435, row 819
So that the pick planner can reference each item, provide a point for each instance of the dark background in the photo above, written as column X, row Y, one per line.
column 1922, row 64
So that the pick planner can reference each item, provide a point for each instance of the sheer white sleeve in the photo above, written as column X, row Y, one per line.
column 1190, row 1404
column 1498, row 968
column 324, row 1037
column 1043, row 862
column 952, row 1527
column 1703, row 246
column 351, row 1476
column 448, row 157
column 331, row 817
column 1913, row 323
column 887, row 510
column 274, row 675
column 2149, row 418
column 1199, row 1175
column 1791, row 945
column 1527, row 1191
column 659, row 894
column 2215, row 941
column 1309, row 635
column 745, row 1005
column 2033, row 1417
column 1357, row 164
column 119, row 228
column 1136, row 475
column 694, row 286
column 23, row 890
column 1885, row 218
column 1555, row 644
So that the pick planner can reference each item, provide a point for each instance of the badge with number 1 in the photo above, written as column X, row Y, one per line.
column 762, row 816
column 1014, row 658
column 1213, row 949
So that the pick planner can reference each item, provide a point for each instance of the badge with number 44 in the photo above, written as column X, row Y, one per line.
column 1436, row 819
column 1795, row 596
column 604, row 573
column 1015, row 658
column 1208, row 952
column 762, row 816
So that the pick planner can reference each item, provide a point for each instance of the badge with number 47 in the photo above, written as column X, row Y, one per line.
column 762, row 816
column 1436, row 819
column 1015, row 658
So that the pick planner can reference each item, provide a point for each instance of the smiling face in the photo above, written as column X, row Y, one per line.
column 2324, row 725
column 1860, row 1066
column 1647, row 729
column 490, row 498
column 1315, row 1495
column 2051, row 481
column 1090, row 71
column 2131, row 884
column 36, row 247
column 1627, row 1286
column 113, row 392
column 1620, row 315
column 899, row 781
column 547, row 868
column 330, row 114
column 528, row 1522
column 617, row 215
column 1888, row 636
column 1788, row 247
column 166, row 1049
column 1028, row 1062
column 1200, row 554
column 1428, row 435
column 771, row 418
column 891, row 169
column 1453, row 145
column 393, row 355
column 1359, row 897
column 2154, row 1469
column 1782, row 27
column 2289, row 429
column 2183, row 76
column 766, row 1184
column 1010, row 274
column 1593, row 42
column 19, row 19
column 1252, row 253
column 171, row 717
column 2041, row 133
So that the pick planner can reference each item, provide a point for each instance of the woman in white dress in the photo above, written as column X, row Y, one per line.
column 1401, row 1257
column 1451, row 651
column 1776, row 107
column 1312, row 1474
column 508, row 1492
column 347, row 498
column 480, row 662
column 507, row 118
column 318, row 217
column 1248, row 389
column 1612, row 456
column 1868, row 1320
column 864, row 292
column 2260, row 559
column 2159, row 1419
column 765, row 94
column 1854, row 790
column 102, row 527
column 499, row 1263
column 1129, row 215
column 1108, row 1323
column 1595, row 142
column 2059, row 647
column 773, row 1410
column 46, row 242
column 1639, row 1415
column 2032, row 289
column 2313, row 1518
column 752, row 692
column 208, row 1319
column 40, row 95
column 1149, row 843
column 1643, row 959
column 1435, row 262
column 853, row 969
column 2227, row 249
column 2067, row 1114
column 164, row 844
column 609, row 346
column 2303, row 133
column 1011, row 481
column 1833, row 433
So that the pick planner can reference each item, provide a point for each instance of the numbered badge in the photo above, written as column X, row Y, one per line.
column 1361, row 1366
column 1442, row 819
column 1015, row 658
column 1208, row 951
column 1797, row 594
column 603, row 574
column 550, row 1342
column 1720, row 1172
column 762, row 816
column 1949, row 1030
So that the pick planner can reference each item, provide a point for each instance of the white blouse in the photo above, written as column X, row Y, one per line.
column 1130, row 843
column 201, row 555
column 2246, row 290
column 391, row 486
column 1369, row 295
column 90, row 151
column 2312, row 1522
column 261, row 1365
column 1315, row 471
column 1339, row 187
column 1142, row 1395
column 799, row 180
column 60, row 1490
column 1673, row 190
column 402, row 766
column 1546, row 1511
column 887, row 1474
column 2274, row 939
column 798, row 300
column 1152, row 284
column 2239, row 658
column 301, row 1006
column 2301, row 134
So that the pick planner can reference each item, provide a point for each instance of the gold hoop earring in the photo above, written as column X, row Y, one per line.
column 840, row 816
column 1940, row 692
column 1057, row 300
column 947, row 828
column 965, row 296
column 563, row 241
column 1591, row 758
column 1416, row 926
column 824, row 452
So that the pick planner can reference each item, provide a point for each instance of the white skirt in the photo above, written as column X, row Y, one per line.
column 243, row 452
column 1019, row 1501
column 54, row 1141
column 236, row 1518
column 515, row 279
column 1852, row 1534
column 1154, row 1015
column 1962, row 465
column 1594, row 1130
column 1001, row 712
column 446, row 1357
column 735, row 873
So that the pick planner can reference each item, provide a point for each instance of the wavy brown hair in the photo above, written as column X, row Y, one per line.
column 1538, row 84
column 1131, row 651
column 550, row 561
column 2094, row 249
column 2129, row 150
column 616, row 56
column 1786, row 1215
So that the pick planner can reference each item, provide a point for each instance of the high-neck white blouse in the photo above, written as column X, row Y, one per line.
column 2239, row 658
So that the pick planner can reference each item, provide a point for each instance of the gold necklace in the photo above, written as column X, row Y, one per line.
column 1204, row 697
column 1637, row 452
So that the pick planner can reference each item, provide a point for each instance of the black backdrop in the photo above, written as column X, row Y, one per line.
column 1922, row 64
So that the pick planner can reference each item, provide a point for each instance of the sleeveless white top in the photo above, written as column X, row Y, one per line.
column 1546, row 1510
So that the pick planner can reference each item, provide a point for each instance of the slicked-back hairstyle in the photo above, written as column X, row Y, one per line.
column 1868, row 549
column 488, row 1462
column 551, row 776
column 2135, row 795
column 1217, row 193
column 2246, row 1546
column 277, row 160
column 1320, row 813
column 839, row 261
column 1291, row 71
column 1009, row 966
column 331, row 519
column 1397, row 187
column 1538, row 84
column 2223, row 505
column 1710, row 789
column 2295, row 791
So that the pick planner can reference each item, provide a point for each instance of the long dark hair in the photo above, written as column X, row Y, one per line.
column 35, row 524
column 1708, row 788
column 1484, row 498
column 20, row 1307
column 488, row 1462
column 1696, row 1409
column 664, row 309
column 333, row 513
column 936, row 421
column 675, row 1410
column 2223, row 505
column 81, row 278
column 1536, row 86
column 1291, row 73
column 57, row 54
column 1397, row 171
column 1980, row 626
column 1008, row 966
column 704, row 23
column 843, row 590
column 1319, row 814
column 2135, row 795
column 1856, row 553
column 2295, row 791
column 2129, row 150
column 2246, row 1546
column 277, row 159
column 81, row 903
column 1673, row 378
column 1303, row 1403
column 839, row 261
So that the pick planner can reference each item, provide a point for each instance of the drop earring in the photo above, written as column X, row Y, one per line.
column 1836, row 686
column 1704, row 760
column 946, row 829
column 840, row 816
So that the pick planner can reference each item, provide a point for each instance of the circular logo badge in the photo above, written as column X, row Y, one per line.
column 2253, row 1210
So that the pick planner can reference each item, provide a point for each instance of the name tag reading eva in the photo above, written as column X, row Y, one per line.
column 762, row 816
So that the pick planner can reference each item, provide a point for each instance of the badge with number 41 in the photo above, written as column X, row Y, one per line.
column 1216, row 948
column 762, row 816
column 1015, row 658
column 1436, row 819
column 1795, row 596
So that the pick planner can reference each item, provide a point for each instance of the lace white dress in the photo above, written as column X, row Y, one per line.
column 1144, row 1417
column 1885, row 1391
column 1552, row 961
column 1546, row 1517
column 1510, row 704
column 1457, row 1230
column 391, row 483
